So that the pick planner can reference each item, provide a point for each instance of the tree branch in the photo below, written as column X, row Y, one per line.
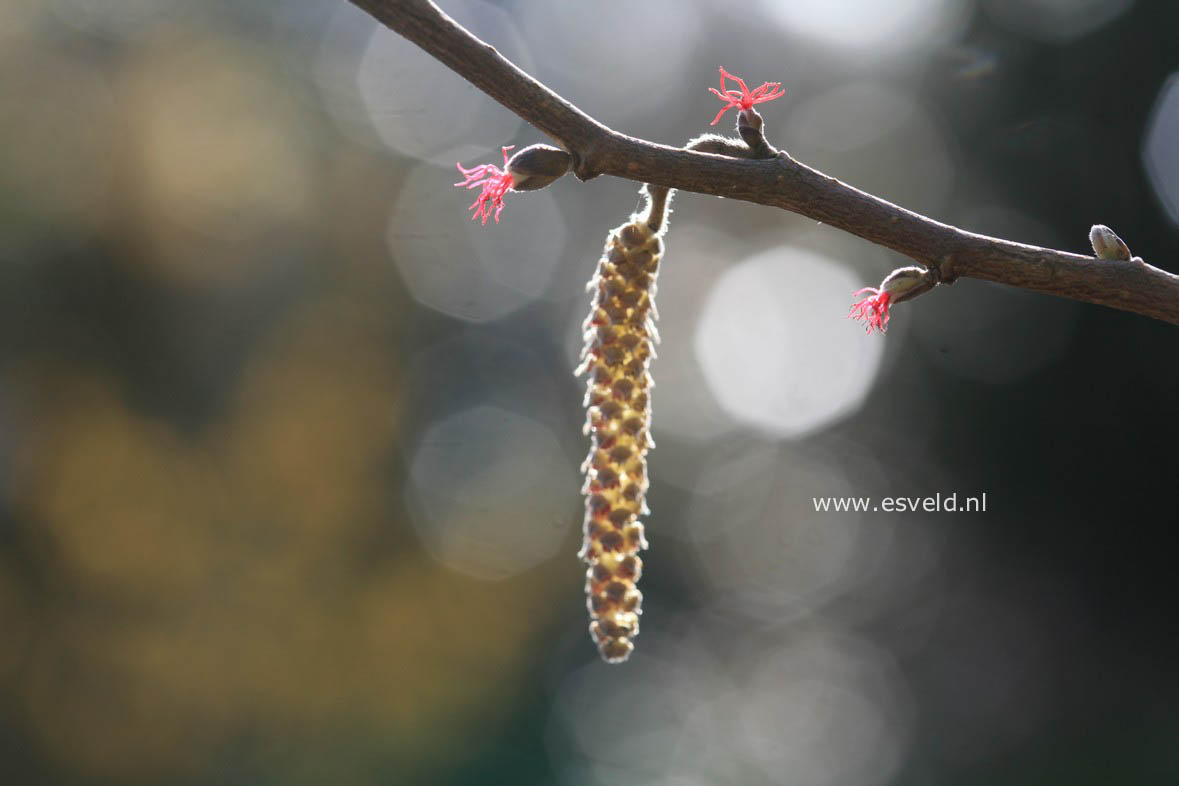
column 1131, row 285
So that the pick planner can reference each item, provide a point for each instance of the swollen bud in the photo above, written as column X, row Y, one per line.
column 537, row 166
column 902, row 284
column 1107, row 244
column 906, row 283
column 750, row 126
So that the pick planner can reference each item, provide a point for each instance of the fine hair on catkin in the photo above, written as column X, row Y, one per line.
column 620, row 340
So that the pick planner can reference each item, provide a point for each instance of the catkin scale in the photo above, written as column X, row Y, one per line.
column 620, row 336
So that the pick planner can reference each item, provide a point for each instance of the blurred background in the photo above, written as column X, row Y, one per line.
column 289, row 447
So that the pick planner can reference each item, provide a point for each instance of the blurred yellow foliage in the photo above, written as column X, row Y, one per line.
column 213, row 158
column 56, row 154
column 212, row 583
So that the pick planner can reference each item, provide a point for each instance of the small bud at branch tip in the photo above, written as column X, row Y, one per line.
column 1106, row 243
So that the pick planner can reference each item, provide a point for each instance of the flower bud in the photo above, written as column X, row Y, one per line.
column 749, row 118
column 906, row 283
column 749, row 126
column 1106, row 243
column 537, row 166
column 901, row 284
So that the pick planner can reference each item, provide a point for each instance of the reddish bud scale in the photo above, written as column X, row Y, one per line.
column 620, row 341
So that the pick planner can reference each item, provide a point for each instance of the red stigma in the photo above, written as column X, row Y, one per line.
column 746, row 98
column 495, row 181
column 873, row 309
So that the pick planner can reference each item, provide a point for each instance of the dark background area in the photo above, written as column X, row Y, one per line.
column 289, row 447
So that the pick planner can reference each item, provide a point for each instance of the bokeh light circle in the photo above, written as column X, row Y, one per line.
column 421, row 108
column 645, row 47
column 492, row 493
column 461, row 267
column 775, row 348
column 870, row 27
column 1160, row 150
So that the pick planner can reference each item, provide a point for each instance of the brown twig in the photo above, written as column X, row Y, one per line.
column 1131, row 285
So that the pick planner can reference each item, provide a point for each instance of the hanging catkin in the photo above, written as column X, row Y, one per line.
column 620, row 340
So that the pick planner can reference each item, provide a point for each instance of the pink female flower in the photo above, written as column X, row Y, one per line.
column 904, row 283
column 746, row 98
column 495, row 181
column 872, row 309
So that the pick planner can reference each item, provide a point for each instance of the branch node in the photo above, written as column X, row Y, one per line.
column 943, row 269
column 583, row 168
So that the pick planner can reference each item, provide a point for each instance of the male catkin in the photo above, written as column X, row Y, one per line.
column 620, row 342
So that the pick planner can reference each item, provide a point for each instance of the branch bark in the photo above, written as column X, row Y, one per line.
column 1130, row 285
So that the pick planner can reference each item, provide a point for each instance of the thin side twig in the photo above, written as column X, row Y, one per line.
column 1130, row 285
